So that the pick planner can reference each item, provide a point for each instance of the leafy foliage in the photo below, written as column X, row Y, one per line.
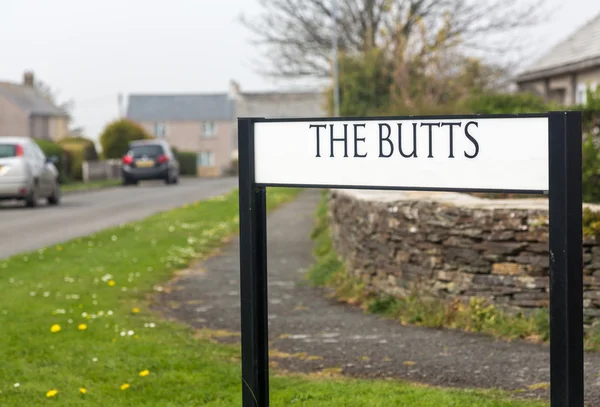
column 117, row 135
column 505, row 103
column 187, row 162
column 80, row 149
column 53, row 149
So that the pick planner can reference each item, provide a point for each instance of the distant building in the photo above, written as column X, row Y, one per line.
column 565, row 71
column 207, row 123
column 24, row 112
column 201, row 123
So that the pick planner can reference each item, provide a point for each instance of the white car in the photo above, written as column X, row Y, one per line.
column 26, row 173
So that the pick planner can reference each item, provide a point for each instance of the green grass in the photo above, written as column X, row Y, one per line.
column 82, row 186
column 102, row 280
column 415, row 309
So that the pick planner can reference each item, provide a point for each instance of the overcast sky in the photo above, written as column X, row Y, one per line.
column 90, row 50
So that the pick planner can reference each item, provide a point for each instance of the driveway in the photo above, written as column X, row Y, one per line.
column 83, row 213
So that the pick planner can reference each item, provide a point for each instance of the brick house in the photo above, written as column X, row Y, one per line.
column 207, row 123
column 24, row 112
column 565, row 72
column 200, row 123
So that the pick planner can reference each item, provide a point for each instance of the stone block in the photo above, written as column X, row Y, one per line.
column 509, row 269
column 539, row 248
column 505, row 248
column 502, row 235
column 535, row 260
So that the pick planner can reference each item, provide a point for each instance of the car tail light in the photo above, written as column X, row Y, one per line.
column 19, row 150
column 162, row 159
column 127, row 159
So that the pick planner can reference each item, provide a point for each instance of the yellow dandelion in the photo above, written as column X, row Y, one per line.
column 51, row 393
column 136, row 310
column 55, row 328
column 111, row 283
column 59, row 248
column 124, row 386
column 83, row 390
column 144, row 373
column 82, row 327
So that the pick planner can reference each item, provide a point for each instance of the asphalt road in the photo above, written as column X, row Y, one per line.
column 82, row 213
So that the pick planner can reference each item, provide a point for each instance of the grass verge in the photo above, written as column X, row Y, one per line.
column 84, row 186
column 77, row 330
column 474, row 316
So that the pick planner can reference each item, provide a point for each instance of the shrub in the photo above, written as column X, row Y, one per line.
column 52, row 149
column 187, row 162
column 80, row 149
column 117, row 135
column 506, row 103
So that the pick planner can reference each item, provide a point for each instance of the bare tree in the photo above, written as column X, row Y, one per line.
column 52, row 96
column 297, row 34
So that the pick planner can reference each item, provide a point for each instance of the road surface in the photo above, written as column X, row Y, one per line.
column 83, row 213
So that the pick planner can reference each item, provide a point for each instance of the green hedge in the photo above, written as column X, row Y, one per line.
column 80, row 149
column 187, row 162
column 52, row 149
column 118, row 134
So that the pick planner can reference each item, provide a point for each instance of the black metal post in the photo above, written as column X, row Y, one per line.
column 566, row 260
column 253, row 274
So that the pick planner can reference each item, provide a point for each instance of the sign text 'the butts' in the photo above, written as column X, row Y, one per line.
column 393, row 141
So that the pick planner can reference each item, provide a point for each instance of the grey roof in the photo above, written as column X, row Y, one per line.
column 582, row 45
column 192, row 107
column 28, row 99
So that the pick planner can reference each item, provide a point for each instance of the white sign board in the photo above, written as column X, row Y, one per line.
column 453, row 153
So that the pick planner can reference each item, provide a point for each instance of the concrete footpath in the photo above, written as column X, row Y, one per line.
column 309, row 332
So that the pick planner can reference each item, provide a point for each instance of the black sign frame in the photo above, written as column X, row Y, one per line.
column 565, row 253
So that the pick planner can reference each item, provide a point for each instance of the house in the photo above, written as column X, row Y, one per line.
column 307, row 103
column 24, row 112
column 207, row 123
column 565, row 72
column 201, row 123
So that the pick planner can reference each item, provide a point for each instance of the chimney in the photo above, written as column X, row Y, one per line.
column 28, row 79
column 234, row 89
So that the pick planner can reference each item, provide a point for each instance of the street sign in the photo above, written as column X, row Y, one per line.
column 531, row 153
column 446, row 153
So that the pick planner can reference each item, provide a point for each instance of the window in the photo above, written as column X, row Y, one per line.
column 150, row 150
column 8, row 150
column 209, row 129
column 206, row 159
column 160, row 130
column 581, row 95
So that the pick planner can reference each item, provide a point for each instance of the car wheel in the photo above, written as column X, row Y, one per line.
column 54, row 199
column 32, row 199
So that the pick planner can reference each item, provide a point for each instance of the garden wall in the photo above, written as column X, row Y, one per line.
column 451, row 245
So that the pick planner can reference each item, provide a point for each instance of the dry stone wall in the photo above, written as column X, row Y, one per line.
column 453, row 246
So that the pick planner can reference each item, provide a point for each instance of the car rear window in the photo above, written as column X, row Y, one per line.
column 149, row 151
column 8, row 150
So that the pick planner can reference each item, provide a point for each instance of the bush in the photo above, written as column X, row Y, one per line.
column 117, row 135
column 80, row 149
column 52, row 149
column 507, row 103
column 187, row 162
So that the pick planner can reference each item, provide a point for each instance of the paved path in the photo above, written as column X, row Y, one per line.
column 333, row 335
column 82, row 213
